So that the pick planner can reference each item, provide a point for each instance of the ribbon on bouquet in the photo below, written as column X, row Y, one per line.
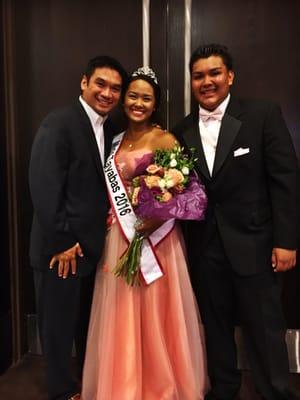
column 150, row 266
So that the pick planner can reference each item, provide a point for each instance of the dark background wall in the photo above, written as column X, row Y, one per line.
column 5, row 304
column 263, row 37
column 45, row 46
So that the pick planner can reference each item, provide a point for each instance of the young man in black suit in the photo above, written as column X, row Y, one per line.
column 70, row 208
column 247, row 161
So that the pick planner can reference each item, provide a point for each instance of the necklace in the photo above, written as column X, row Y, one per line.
column 135, row 140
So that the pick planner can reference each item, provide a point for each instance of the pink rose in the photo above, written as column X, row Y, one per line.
column 166, row 196
column 152, row 181
column 155, row 169
column 174, row 176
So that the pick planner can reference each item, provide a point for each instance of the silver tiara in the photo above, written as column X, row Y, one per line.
column 147, row 71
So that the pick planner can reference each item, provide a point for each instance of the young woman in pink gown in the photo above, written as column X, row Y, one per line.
column 144, row 342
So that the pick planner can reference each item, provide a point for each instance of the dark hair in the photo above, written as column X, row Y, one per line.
column 207, row 50
column 156, row 89
column 108, row 62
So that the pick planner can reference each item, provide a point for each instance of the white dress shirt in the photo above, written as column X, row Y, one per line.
column 97, row 122
column 209, row 130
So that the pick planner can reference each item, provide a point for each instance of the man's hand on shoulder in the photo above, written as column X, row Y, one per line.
column 283, row 259
column 66, row 261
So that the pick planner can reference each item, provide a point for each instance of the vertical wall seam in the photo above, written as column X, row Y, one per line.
column 167, row 70
column 187, row 55
column 11, row 146
column 146, row 32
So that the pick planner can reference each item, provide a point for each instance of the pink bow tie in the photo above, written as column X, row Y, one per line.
column 213, row 115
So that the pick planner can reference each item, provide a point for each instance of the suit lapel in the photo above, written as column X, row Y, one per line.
column 193, row 139
column 90, row 138
column 108, row 137
column 229, row 129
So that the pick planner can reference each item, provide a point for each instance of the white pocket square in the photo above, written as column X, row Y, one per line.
column 241, row 151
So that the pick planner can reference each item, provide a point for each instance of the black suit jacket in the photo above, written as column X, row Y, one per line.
column 253, row 198
column 68, row 188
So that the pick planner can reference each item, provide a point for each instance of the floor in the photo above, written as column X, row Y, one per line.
column 26, row 381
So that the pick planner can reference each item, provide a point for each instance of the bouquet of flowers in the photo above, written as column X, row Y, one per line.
column 166, row 188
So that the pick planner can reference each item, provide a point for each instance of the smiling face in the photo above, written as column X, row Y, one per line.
column 210, row 81
column 103, row 90
column 139, row 102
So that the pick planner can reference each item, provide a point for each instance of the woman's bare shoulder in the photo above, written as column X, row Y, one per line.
column 164, row 139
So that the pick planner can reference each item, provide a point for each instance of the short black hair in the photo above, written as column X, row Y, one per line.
column 213, row 49
column 106, row 62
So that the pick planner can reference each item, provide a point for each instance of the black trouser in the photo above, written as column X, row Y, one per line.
column 222, row 294
column 63, row 308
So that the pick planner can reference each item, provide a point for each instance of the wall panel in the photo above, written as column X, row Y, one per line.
column 5, row 303
column 52, row 40
column 263, row 37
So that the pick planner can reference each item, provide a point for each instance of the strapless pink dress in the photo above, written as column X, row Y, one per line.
column 145, row 342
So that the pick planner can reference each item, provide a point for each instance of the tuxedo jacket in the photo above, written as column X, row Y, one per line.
column 253, row 191
column 68, row 188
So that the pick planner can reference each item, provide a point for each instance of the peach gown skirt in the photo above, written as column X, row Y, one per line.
column 146, row 342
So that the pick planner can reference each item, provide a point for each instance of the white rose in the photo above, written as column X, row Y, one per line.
column 173, row 163
column 162, row 183
column 185, row 171
column 169, row 183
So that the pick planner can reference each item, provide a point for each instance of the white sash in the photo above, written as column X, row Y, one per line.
column 150, row 265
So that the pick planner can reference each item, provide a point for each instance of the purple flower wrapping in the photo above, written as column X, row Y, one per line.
column 143, row 163
column 190, row 204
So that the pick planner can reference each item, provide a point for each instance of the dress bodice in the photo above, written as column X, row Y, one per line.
column 133, row 163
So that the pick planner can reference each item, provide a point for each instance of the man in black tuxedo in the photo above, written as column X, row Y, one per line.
column 70, row 207
column 247, row 161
